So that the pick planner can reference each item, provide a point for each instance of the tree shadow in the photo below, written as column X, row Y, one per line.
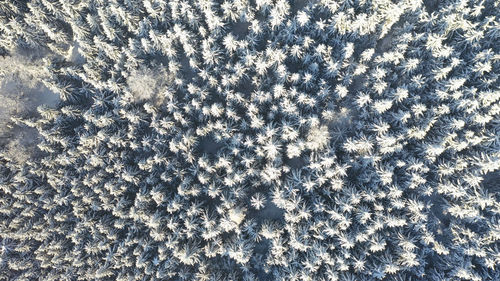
column 240, row 29
column 187, row 72
column 431, row 5
column 269, row 212
column 491, row 182
column 298, row 5
column 209, row 146
column 295, row 162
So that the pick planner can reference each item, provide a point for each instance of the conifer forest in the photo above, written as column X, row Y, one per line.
column 228, row 140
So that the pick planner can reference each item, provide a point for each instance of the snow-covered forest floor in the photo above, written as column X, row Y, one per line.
column 21, row 93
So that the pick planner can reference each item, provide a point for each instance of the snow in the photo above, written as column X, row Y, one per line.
column 146, row 84
column 491, row 181
column 240, row 29
column 299, row 5
column 21, row 92
column 74, row 54
column 431, row 6
column 269, row 212
column 209, row 146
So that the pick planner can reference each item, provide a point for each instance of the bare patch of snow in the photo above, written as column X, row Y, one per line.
column 21, row 92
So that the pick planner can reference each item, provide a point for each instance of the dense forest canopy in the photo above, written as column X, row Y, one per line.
column 249, row 140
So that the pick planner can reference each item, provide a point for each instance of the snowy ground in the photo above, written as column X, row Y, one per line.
column 21, row 92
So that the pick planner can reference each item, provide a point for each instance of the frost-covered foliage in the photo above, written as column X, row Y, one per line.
column 145, row 85
column 257, row 140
